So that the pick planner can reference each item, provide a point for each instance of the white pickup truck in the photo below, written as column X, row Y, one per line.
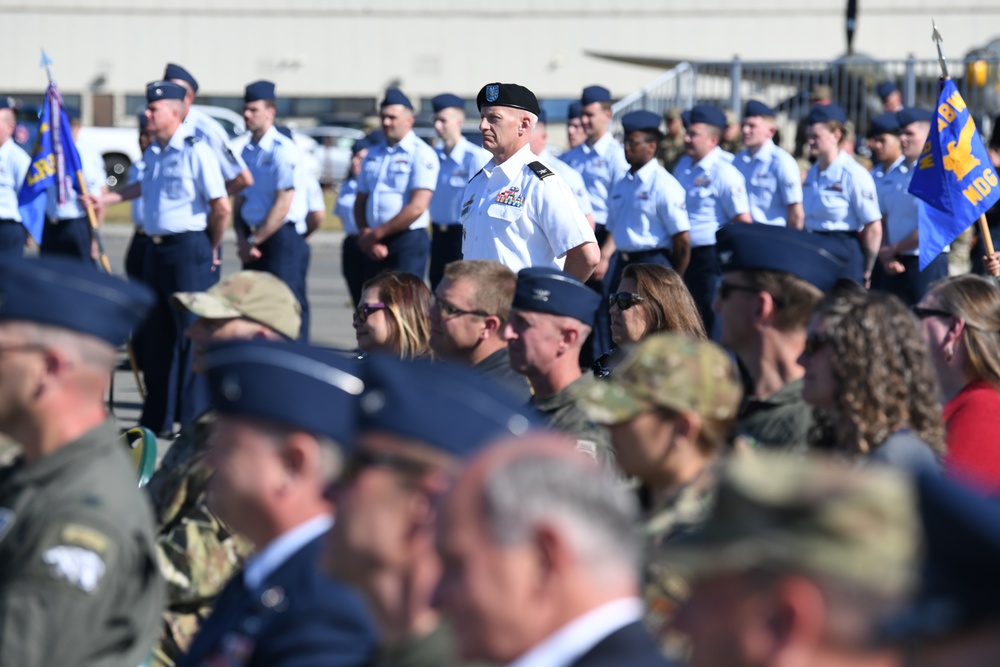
column 119, row 146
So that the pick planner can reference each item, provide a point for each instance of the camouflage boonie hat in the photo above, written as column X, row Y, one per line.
column 810, row 515
column 666, row 370
column 255, row 295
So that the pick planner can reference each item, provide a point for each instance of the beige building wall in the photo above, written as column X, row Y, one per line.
column 340, row 48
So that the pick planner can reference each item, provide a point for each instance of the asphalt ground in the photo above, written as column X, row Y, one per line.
column 328, row 299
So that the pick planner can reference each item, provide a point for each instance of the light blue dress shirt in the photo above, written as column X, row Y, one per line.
column 272, row 162
column 716, row 193
column 390, row 174
column 14, row 163
column 601, row 165
column 180, row 181
column 647, row 209
column 773, row 183
column 457, row 169
column 840, row 199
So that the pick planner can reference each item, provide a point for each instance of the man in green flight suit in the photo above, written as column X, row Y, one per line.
column 78, row 578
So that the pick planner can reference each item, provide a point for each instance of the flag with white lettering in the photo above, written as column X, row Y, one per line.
column 55, row 162
column 954, row 175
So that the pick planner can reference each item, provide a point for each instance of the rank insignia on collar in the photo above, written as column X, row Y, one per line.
column 492, row 93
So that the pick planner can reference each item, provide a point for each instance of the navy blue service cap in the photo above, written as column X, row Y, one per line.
column 886, row 88
column 73, row 295
column 73, row 113
column 175, row 71
column 543, row 116
column 304, row 387
column 635, row 121
column 822, row 113
column 708, row 114
column 396, row 96
column 593, row 94
column 143, row 121
column 959, row 576
column 757, row 108
column 913, row 115
column 817, row 259
column 507, row 95
column 360, row 145
column 447, row 101
column 5, row 102
column 686, row 118
column 548, row 290
column 164, row 90
column 575, row 110
column 259, row 90
column 884, row 123
column 450, row 407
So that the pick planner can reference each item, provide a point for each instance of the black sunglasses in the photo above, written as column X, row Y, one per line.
column 624, row 300
column 448, row 310
column 924, row 313
column 815, row 343
column 363, row 310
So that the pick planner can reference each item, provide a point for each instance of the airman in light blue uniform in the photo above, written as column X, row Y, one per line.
column 397, row 181
column 716, row 195
column 206, row 128
column 351, row 257
column 14, row 163
column 773, row 180
column 273, row 242
column 647, row 217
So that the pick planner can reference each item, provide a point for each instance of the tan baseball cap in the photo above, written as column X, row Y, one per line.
column 255, row 295
column 666, row 370
column 812, row 515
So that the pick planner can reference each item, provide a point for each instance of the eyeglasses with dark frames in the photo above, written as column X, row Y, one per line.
column 445, row 309
column 364, row 310
column 624, row 300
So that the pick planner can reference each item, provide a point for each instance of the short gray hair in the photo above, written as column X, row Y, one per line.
column 596, row 514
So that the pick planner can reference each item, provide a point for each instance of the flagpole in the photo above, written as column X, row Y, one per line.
column 91, row 216
column 984, row 228
column 95, row 235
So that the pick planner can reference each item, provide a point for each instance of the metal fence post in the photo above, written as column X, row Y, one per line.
column 735, row 87
column 910, row 82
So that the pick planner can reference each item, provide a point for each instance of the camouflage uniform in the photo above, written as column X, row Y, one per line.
column 807, row 515
column 565, row 415
column 670, row 151
column 685, row 375
column 196, row 552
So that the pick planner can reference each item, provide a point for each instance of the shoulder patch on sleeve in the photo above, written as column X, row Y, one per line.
column 229, row 155
column 79, row 567
column 541, row 171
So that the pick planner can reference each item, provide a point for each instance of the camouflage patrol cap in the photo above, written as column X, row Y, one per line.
column 811, row 515
column 255, row 295
column 666, row 370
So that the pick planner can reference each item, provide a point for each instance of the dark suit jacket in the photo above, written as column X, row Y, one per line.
column 297, row 617
column 631, row 645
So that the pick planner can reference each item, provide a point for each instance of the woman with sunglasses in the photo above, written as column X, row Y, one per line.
column 650, row 298
column 960, row 321
column 392, row 315
column 868, row 374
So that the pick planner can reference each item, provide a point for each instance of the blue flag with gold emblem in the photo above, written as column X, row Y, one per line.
column 954, row 175
column 55, row 163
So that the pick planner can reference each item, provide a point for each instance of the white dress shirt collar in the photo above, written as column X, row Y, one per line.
column 273, row 556
column 570, row 642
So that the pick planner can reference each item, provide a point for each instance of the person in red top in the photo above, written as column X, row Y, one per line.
column 960, row 320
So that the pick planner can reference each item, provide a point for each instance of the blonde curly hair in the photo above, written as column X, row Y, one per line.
column 883, row 373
